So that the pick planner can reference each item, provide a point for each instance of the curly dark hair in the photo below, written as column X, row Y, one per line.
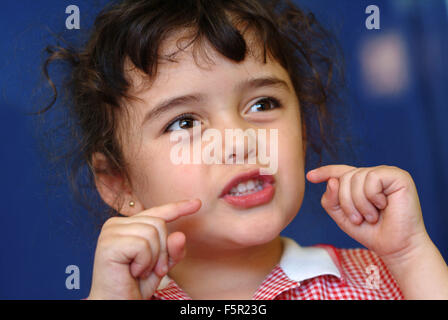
column 96, row 83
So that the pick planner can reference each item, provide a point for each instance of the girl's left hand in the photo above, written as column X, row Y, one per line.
column 376, row 206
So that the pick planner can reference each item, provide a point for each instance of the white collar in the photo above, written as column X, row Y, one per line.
column 301, row 263
column 298, row 263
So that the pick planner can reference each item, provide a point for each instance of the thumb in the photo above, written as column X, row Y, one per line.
column 330, row 202
column 176, row 252
column 176, row 248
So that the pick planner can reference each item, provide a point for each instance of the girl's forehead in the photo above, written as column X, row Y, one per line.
column 194, row 65
column 179, row 56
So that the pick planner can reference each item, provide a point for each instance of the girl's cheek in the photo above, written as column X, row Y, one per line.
column 184, row 181
column 162, row 181
column 291, row 157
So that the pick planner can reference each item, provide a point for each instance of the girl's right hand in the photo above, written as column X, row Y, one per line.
column 134, row 253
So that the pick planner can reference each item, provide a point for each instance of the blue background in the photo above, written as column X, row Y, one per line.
column 399, row 121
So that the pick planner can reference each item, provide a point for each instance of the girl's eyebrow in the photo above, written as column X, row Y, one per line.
column 251, row 83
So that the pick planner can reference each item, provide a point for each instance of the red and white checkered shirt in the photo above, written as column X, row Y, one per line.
column 315, row 273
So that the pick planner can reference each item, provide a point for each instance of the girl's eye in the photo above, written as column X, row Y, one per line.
column 265, row 104
column 184, row 121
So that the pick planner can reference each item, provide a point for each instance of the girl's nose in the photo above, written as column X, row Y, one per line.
column 239, row 146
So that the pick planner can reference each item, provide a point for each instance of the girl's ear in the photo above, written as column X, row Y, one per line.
column 111, row 186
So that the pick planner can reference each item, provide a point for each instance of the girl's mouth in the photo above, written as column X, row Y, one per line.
column 249, row 189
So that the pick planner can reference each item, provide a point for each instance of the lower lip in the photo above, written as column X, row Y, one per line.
column 252, row 200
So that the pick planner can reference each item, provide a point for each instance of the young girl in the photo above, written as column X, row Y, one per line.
column 211, row 231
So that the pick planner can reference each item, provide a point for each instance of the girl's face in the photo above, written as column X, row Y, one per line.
column 223, row 99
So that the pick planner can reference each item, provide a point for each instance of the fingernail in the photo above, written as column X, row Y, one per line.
column 195, row 201
column 146, row 274
column 379, row 203
column 355, row 217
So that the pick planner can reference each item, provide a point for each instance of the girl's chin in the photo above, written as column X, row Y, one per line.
column 254, row 226
column 253, row 236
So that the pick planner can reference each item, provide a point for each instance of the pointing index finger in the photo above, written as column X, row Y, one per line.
column 324, row 173
column 172, row 211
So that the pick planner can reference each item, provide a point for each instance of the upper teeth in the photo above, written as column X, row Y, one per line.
column 247, row 186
